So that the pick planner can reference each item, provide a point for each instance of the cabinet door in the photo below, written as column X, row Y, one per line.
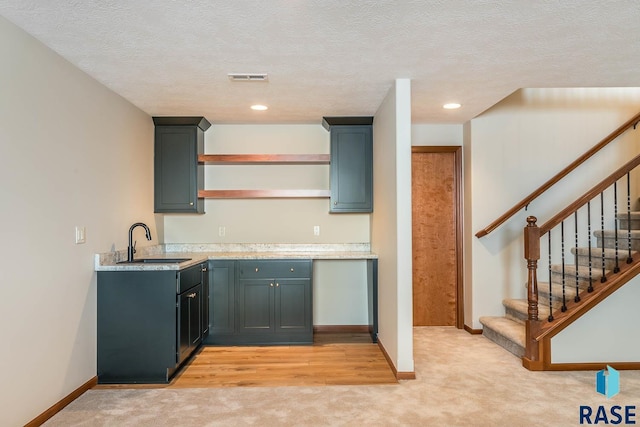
column 293, row 306
column 351, row 168
column 222, row 281
column 176, row 169
column 205, row 300
column 183, row 326
column 195, row 317
column 189, row 321
column 255, row 306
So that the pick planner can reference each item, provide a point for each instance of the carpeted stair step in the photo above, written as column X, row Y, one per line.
column 584, row 273
column 507, row 333
column 607, row 239
column 596, row 257
column 518, row 310
column 556, row 290
column 623, row 220
column 556, row 295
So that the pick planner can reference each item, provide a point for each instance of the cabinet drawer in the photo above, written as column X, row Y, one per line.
column 189, row 277
column 265, row 269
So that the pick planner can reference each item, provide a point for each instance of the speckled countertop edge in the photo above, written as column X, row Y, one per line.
column 203, row 252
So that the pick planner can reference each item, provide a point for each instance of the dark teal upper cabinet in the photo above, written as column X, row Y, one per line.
column 351, row 164
column 177, row 174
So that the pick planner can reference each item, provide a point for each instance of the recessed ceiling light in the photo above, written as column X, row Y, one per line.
column 451, row 106
column 259, row 107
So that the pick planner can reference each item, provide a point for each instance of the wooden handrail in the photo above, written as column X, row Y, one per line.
column 589, row 195
column 564, row 172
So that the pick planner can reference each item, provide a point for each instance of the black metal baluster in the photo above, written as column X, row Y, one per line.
column 604, row 276
column 575, row 219
column 629, row 257
column 590, row 288
column 616, row 269
column 550, row 289
column 564, row 296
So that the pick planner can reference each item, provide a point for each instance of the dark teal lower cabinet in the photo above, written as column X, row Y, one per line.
column 149, row 323
column 278, row 307
column 260, row 302
column 222, row 282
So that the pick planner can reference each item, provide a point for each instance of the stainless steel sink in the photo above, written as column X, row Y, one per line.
column 156, row 261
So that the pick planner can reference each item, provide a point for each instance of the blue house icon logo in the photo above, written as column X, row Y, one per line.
column 608, row 382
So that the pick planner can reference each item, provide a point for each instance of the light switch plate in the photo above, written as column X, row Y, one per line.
column 81, row 235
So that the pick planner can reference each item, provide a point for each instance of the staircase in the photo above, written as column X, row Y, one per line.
column 509, row 331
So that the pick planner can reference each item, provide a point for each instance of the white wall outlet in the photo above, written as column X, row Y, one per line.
column 222, row 231
column 316, row 230
column 81, row 235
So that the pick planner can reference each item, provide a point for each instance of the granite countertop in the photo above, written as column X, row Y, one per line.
column 221, row 251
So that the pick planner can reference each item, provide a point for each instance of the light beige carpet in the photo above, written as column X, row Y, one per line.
column 462, row 380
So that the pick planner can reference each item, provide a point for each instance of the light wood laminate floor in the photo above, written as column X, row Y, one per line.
column 333, row 359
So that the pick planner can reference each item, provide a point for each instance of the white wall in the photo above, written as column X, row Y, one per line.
column 436, row 134
column 71, row 153
column 606, row 333
column 391, row 223
column 267, row 220
column 515, row 147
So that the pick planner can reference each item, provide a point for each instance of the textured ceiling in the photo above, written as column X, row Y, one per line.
column 336, row 57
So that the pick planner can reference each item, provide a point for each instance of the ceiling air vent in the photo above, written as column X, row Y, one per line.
column 238, row 77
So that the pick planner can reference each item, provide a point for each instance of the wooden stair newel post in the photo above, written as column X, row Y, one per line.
column 532, row 255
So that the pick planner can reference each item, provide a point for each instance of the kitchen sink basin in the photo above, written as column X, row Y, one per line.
column 155, row 261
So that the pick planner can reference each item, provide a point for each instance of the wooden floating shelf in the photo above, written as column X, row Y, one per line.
column 301, row 159
column 264, row 194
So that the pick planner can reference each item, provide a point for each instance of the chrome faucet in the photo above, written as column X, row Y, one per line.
column 132, row 246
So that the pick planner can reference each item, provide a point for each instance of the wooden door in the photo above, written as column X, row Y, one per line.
column 437, row 267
